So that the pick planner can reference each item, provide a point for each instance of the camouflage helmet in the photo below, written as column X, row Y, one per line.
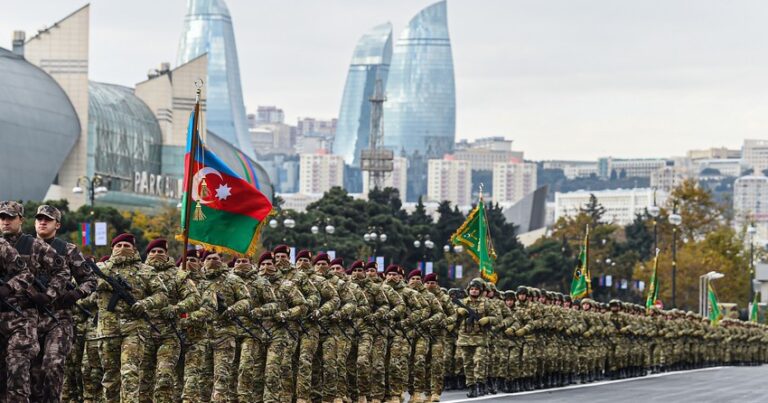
column 509, row 294
column 454, row 292
column 522, row 290
column 566, row 298
column 489, row 286
column 476, row 282
column 614, row 302
column 589, row 301
column 559, row 296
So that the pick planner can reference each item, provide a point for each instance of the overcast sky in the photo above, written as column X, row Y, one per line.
column 564, row 79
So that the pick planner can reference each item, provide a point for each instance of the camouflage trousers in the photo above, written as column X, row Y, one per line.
column 157, row 373
column 436, row 367
column 418, row 364
column 73, row 369
column 222, row 355
column 307, row 350
column 195, row 369
column 121, row 358
column 327, row 367
column 474, row 363
column 528, row 358
column 92, row 372
column 288, row 365
column 279, row 351
column 364, row 364
column 378, row 369
column 19, row 348
column 343, row 349
column 453, row 364
column 397, row 367
column 351, row 369
column 47, row 370
column 250, row 372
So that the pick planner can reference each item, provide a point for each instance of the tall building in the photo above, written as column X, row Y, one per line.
column 755, row 154
column 208, row 29
column 513, row 180
column 420, row 112
column 621, row 205
column 319, row 172
column 397, row 179
column 713, row 153
column 451, row 180
column 750, row 203
column 667, row 178
column 483, row 153
column 269, row 114
column 629, row 168
column 370, row 62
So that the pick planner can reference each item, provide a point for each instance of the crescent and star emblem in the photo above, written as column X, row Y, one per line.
column 222, row 192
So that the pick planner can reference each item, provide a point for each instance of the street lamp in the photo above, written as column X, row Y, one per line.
column 674, row 219
column 95, row 187
column 329, row 229
column 751, row 231
column 375, row 238
column 287, row 222
column 423, row 240
column 704, row 280
column 654, row 211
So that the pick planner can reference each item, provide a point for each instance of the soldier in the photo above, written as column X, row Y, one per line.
column 224, row 296
column 476, row 314
column 253, row 351
column 291, row 307
column 93, row 372
column 493, row 368
column 439, row 336
column 308, row 376
column 162, row 351
column 122, row 327
column 453, row 364
column 56, row 337
column 513, row 346
column 423, row 335
column 383, row 346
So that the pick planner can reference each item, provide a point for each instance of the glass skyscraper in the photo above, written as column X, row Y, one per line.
column 420, row 111
column 208, row 29
column 370, row 62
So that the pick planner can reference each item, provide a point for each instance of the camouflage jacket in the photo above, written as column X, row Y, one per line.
column 290, row 303
column 43, row 261
column 448, row 309
column 378, row 305
column 471, row 333
column 416, row 310
column 75, row 262
column 435, row 320
column 234, row 295
column 16, row 274
column 262, row 297
column 146, row 288
column 182, row 296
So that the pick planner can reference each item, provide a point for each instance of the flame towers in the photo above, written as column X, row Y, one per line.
column 420, row 112
column 208, row 29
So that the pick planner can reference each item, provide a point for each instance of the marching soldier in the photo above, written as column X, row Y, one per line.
column 476, row 315
column 439, row 336
column 423, row 335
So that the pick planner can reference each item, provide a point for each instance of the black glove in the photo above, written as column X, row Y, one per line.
column 68, row 300
column 39, row 298
column 5, row 291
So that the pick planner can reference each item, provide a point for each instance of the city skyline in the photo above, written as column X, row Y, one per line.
column 563, row 81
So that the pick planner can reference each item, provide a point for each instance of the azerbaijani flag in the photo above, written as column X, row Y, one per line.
column 85, row 233
column 228, row 211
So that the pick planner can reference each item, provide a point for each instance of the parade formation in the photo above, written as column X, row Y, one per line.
column 228, row 329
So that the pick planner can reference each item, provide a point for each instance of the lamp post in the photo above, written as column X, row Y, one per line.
column 751, row 231
column 423, row 240
column 674, row 219
column 654, row 211
column 704, row 280
column 286, row 222
column 329, row 229
column 375, row 238
column 95, row 187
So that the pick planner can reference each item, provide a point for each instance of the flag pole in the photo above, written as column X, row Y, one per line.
column 190, row 165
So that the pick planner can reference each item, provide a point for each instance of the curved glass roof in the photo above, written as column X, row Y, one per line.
column 38, row 128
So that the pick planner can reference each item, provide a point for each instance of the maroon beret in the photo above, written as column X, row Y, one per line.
column 430, row 277
column 126, row 237
column 157, row 243
column 414, row 272
column 370, row 265
column 320, row 257
column 205, row 253
column 104, row 259
column 265, row 256
column 231, row 263
column 338, row 261
column 282, row 249
column 356, row 264
column 393, row 268
column 303, row 254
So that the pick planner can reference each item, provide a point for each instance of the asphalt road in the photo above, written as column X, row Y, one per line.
column 720, row 384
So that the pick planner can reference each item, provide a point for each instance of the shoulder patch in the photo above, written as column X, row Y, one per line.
column 58, row 261
column 20, row 263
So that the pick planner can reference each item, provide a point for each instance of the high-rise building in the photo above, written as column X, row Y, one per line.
column 319, row 172
column 420, row 112
column 208, row 29
column 755, row 154
column 621, row 205
column 513, row 180
column 397, row 179
column 750, row 203
column 451, row 180
column 370, row 62
column 483, row 153
column 269, row 114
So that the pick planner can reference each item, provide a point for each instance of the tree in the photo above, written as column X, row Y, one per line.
column 594, row 210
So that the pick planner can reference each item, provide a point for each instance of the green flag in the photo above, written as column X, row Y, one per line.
column 714, row 308
column 653, row 288
column 753, row 313
column 475, row 236
column 581, row 285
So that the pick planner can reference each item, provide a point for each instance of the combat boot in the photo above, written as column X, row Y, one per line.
column 417, row 398
column 462, row 382
column 434, row 398
column 491, row 382
column 474, row 391
column 361, row 399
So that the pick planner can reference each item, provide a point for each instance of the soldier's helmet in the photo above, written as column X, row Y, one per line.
column 566, row 298
column 454, row 292
column 509, row 294
column 478, row 283
column 614, row 302
column 522, row 290
column 588, row 301
column 489, row 286
column 559, row 296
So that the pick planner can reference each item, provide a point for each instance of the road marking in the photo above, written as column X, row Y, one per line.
column 584, row 385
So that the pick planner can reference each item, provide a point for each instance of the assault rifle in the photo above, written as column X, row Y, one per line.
column 473, row 316
column 41, row 285
column 121, row 291
column 14, row 308
column 221, row 306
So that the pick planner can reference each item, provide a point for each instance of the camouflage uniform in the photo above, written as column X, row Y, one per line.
column 121, row 333
column 334, row 342
column 370, row 332
column 472, row 338
column 93, row 372
column 439, row 335
column 402, row 342
column 196, row 373
column 162, row 352
column 219, row 289
column 381, row 344
column 424, row 333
